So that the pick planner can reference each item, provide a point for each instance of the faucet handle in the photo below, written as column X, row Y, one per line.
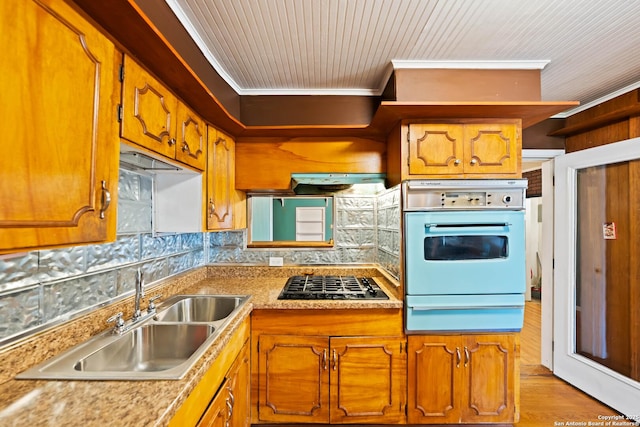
column 117, row 318
column 152, row 306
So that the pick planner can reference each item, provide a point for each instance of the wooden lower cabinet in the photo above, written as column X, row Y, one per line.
column 463, row 379
column 222, row 397
column 230, row 406
column 339, row 380
column 239, row 389
column 217, row 414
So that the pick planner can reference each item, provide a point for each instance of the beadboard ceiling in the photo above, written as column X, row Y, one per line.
column 589, row 49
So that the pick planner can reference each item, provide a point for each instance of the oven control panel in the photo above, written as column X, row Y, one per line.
column 464, row 194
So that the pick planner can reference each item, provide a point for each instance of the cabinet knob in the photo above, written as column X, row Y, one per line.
column 106, row 199
column 456, row 162
column 466, row 356
column 474, row 161
column 458, row 357
column 172, row 142
column 212, row 207
column 185, row 147
column 335, row 360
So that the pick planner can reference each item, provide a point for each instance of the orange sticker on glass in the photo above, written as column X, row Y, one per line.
column 609, row 231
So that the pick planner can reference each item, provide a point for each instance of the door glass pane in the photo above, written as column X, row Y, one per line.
column 603, row 304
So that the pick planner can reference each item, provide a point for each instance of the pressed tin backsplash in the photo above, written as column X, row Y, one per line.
column 41, row 288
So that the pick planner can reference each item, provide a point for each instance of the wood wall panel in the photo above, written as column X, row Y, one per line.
column 605, row 135
column 618, row 269
column 634, row 269
column 618, row 103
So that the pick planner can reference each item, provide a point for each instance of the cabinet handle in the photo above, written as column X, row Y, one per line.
column 230, row 402
column 474, row 161
column 212, row 207
column 456, row 162
column 172, row 142
column 466, row 356
column 185, row 147
column 324, row 359
column 232, row 397
column 457, row 357
column 335, row 360
column 106, row 199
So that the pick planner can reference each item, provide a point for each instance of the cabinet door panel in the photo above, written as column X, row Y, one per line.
column 220, row 180
column 239, row 389
column 435, row 149
column 217, row 412
column 433, row 374
column 367, row 380
column 294, row 378
column 491, row 148
column 59, row 88
column 490, row 363
column 192, row 138
column 149, row 111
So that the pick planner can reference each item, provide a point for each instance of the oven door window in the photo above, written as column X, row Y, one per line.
column 460, row 248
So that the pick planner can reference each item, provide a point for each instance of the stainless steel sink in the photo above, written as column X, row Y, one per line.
column 149, row 348
column 198, row 308
column 164, row 346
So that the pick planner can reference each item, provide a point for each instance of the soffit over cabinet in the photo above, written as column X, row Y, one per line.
column 142, row 35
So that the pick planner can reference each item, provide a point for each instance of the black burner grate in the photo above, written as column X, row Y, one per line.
column 331, row 287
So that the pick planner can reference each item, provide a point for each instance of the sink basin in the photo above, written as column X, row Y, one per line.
column 161, row 347
column 198, row 308
column 149, row 348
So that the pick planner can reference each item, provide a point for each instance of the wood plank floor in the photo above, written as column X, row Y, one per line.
column 546, row 400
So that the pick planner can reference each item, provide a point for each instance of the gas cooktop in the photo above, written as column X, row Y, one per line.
column 331, row 287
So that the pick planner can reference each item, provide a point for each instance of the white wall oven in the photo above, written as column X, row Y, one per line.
column 464, row 255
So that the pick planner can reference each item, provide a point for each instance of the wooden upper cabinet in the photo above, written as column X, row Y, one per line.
column 492, row 148
column 220, row 180
column 149, row 110
column 59, row 179
column 192, row 138
column 474, row 150
column 152, row 117
column 435, row 149
column 463, row 379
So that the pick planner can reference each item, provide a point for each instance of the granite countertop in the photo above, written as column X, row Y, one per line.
column 153, row 403
column 265, row 290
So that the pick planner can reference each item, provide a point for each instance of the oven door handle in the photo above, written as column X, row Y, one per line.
column 475, row 225
column 465, row 307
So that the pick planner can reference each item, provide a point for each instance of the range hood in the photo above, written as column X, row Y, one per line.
column 328, row 183
column 135, row 159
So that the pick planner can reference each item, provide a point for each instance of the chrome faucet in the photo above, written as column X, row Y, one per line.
column 120, row 325
column 139, row 294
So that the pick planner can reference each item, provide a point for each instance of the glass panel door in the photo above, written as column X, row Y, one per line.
column 597, row 273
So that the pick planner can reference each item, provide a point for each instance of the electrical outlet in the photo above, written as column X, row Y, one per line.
column 276, row 261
